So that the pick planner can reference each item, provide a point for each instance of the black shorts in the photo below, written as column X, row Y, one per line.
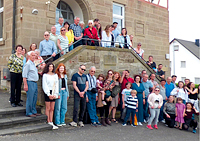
column 46, row 98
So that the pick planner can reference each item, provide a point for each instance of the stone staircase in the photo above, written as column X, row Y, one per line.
column 14, row 121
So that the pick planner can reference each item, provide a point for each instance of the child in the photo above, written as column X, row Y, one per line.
column 189, row 122
column 99, row 86
column 155, row 101
column 180, row 112
column 125, row 94
column 131, row 104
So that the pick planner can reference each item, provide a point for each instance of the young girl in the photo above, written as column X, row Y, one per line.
column 131, row 104
column 50, row 88
column 61, row 102
column 189, row 122
column 180, row 112
column 99, row 86
column 125, row 94
column 155, row 101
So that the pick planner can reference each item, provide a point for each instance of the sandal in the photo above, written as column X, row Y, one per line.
column 114, row 120
column 180, row 128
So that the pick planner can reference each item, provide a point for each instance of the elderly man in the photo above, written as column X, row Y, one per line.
column 80, row 84
column 160, row 72
column 147, row 85
column 81, row 24
column 30, row 78
column 54, row 37
column 169, row 86
column 47, row 48
column 77, row 31
column 152, row 79
column 92, row 97
column 59, row 25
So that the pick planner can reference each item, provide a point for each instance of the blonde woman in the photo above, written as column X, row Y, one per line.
column 106, row 36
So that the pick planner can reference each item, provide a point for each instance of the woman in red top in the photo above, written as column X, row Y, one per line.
column 91, row 33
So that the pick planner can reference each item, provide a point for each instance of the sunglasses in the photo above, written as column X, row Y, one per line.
column 110, row 73
column 83, row 69
column 157, row 90
column 139, row 45
column 63, row 30
column 46, row 35
column 92, row 71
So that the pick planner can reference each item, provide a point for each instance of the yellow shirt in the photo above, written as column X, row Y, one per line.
column 70, row 36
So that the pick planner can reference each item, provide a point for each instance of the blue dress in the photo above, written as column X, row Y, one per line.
column 140, row 91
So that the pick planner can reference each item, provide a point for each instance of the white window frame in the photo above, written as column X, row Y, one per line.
column 183, row 66
column 119, row 16
column 183, row 79
column 198, row 80
column 1, row 11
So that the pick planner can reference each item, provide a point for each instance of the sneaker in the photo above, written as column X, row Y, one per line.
column 163, row 121
column 139, row 123
column 133, row 125
column 81, row 124
column 124, row 124
column 149, row 127
column 54, row 127
column 59, row 125
column 194, row 131
column 94, row 124
column 50, row 123
column 145, row 121
column 104, row 103
column 155, row 126
column 98, row 123
column 63, row 124
column 74, row 124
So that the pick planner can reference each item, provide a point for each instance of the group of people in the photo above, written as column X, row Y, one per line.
column 142, row 96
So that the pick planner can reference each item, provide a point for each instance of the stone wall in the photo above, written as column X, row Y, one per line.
column 148, row 23
column 103, row 59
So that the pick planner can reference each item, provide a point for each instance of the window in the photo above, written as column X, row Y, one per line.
column 183, row 79
column 176, row 47
column 118, row 15
column 1, row 20
column 64, row 11
column 183, row 64
column 197, row 80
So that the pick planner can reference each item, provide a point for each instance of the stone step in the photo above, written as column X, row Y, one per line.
column 14, row 112
column 26, row 129
column 21, row 121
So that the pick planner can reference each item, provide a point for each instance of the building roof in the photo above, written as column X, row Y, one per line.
column 190, row 46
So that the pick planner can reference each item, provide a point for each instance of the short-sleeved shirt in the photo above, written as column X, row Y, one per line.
column 153, row 65
column 80, row 82
column 63, row 42
column 126, row 93
column 169, row 88
column 55, row 39
column 125, row 80
column 147, row 85
column 15, row 63
column 58, row 26
column 30, row 72
column 163, row 91
column 160, row 73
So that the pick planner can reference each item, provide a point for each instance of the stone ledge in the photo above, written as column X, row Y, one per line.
column 2, row 42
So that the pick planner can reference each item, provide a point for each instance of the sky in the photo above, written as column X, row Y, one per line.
column 184, row 19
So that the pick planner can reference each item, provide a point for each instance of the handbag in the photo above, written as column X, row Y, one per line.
column 116, row 90
column 94, row 90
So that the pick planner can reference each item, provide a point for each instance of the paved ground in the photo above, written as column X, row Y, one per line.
column 112, row 133
column 116, row 132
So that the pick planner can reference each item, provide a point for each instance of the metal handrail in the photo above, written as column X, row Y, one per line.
column 86, row 44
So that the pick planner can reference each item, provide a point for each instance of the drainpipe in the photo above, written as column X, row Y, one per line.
column 13, row 26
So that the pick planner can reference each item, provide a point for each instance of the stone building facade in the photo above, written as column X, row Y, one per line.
column 148, row 23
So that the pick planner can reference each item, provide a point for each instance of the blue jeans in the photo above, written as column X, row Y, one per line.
column 161, row 111
column 31, row 98
column 71, row 47
column 145, row 107
column 91, row 106
column 60, row 108
column 128, row 112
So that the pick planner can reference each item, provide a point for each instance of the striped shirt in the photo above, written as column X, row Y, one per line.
column 63, row 42
column 131, row 102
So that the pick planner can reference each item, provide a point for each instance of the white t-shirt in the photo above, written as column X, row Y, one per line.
column 126, row 93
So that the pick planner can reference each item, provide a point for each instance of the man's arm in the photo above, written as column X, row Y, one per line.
column 25, row 84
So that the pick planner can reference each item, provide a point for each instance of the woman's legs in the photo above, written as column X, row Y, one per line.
column 52, row 104
column 152, row 112
column 110, row 109
column 157, row 112
column 47, row 110
column 114, row 112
